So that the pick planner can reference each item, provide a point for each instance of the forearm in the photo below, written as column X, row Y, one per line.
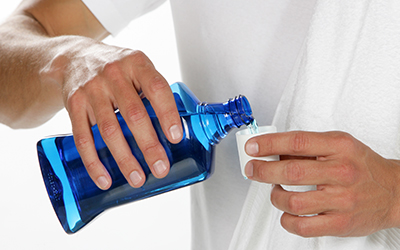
column 25, row 101
column 34, row 56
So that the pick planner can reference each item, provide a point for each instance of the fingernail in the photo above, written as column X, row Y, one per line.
column 160, row 167
column 175, row 132
column 248, row 169
column 102, row 181
column 252, row 148
column 135, row 177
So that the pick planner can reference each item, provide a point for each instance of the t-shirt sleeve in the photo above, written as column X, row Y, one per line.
column 114, row 15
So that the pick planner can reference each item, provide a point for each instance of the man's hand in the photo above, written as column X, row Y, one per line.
column 51, row 55
column 114, row 80
column 357, row 190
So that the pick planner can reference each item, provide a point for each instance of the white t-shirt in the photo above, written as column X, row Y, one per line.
column 226, row 48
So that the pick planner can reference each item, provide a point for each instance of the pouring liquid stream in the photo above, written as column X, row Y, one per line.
column 253, row 127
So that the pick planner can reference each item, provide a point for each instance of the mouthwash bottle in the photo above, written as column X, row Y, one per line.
column 77, row 200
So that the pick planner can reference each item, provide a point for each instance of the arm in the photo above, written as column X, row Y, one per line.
column 51, row 58
column 30, row 40
column 358, row 191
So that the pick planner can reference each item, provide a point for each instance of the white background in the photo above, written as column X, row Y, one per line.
column 27, row 220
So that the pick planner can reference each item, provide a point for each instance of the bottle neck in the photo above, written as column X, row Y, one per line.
column 219, row 118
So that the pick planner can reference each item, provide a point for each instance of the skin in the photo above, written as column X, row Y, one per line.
column 52, row 57
column 357, row 189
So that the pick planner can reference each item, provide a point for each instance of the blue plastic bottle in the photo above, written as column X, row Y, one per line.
column 77, row 200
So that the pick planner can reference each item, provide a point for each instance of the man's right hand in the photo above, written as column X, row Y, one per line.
column 110, row 79
column 57, row 40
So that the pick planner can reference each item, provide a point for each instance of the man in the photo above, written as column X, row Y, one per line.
column 226, row 48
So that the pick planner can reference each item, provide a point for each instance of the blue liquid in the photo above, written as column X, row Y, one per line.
column 77, row 200
column 253, row 127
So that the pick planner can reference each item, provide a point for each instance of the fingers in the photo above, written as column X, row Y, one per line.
column 315, row 226
column 85, row 145
column 145, row 136
column 113, row 137
column 154, row 87
column 117, row 86
column 138, row 121
column 158, row 92
column 307, row 158
column 298, row 143
column 303, row 203
column 312, row 213
column 301, row 172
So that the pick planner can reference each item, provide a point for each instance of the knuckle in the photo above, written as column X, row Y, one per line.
column 124, row 161
column 135, row 114
column 345, row 141
column 139, row 58
column 151, row 147
column 158, row 83
column 82, row 141
column 346, row 174
column 74, row 101
column 91, row 167
column 267, row 145
column 260, row 172
column 299, row 142
column 93, row 87
column 295, row 205
column 112, row 69
column 169, row 115
column 293, row 172
column 108, row 129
